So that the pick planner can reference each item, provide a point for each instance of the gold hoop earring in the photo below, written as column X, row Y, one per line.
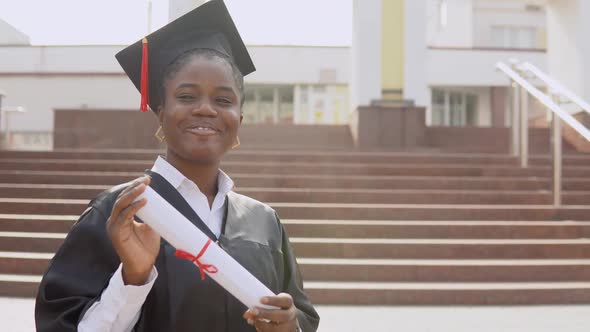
column 159, row 135
column 237, row 143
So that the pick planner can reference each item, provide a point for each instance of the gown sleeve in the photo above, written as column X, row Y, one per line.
column 293, row 284
column 77, row 274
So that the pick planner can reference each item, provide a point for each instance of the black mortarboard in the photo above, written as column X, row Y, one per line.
column 208, row 26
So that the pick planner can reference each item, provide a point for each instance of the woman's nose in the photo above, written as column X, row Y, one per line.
column 204, row 109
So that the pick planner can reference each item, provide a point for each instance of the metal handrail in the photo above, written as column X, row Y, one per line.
column 556, row 86
column 520, row 144
column 545, row 100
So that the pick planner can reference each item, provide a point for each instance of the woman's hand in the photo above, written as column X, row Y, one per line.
column 274, row 320
column 136, row 244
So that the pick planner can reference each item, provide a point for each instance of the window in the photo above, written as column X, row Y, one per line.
column 454, row 108
column 438, row 107
column 268, row 104
column 514, row 37
column 286, row 104
column 456, row 113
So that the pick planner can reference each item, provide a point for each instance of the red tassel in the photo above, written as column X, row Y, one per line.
column 145, row 83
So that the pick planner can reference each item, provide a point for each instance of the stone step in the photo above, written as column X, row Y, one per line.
column 428, row 212
column 370, row 293
column 36, row 223
column 24, row 263
column 311, row 181
column 444, row 270
column 397, row 169
column 387, row 229
column 355, row 293
column 326, row 195
column 372, row 248
column 13, row 285
column 383, row 270
column 345, row 211
column 442, row 249
column 307, row 156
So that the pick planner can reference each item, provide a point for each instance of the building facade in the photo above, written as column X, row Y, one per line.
column 439, row 54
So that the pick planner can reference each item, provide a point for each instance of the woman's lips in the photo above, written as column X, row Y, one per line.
column 202, row 131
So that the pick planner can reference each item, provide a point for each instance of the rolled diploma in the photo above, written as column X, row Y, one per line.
column 183, row 235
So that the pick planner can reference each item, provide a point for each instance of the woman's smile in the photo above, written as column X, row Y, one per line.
column 203, row 130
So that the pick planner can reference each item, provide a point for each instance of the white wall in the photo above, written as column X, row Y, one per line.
column 568, row 48
column 293, row 64
column 59, row 59
column 458, row 31
column 275, row 64
column 42, row 79
column 473, row 67
column 365, row 83
column 415, row 53
column 41, row 95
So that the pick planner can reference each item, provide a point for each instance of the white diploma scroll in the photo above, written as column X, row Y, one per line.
column 183, row 235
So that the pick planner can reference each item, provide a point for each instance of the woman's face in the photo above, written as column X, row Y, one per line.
column 202, row 111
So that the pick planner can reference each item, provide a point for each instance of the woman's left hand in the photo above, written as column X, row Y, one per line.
column 274, row 320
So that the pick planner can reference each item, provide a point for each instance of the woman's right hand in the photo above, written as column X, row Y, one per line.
column 137, row 244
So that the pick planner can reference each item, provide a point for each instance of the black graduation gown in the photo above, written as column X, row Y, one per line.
column 179, row 300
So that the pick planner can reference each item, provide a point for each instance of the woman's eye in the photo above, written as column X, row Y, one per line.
column 186, row 97
column 226, row 101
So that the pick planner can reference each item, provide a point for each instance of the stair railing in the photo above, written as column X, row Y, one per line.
column 556, row 87
column 522, row 89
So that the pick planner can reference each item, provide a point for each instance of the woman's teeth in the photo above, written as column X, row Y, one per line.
column 203, row 130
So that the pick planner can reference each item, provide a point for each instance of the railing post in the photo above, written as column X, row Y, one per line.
column 515, row 94
column 556, row 147
column 524, row 128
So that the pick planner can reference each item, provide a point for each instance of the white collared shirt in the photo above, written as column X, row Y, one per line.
column 120, row 305
column 211, row 216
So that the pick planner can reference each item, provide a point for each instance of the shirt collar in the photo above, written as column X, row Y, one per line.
column 224, row 183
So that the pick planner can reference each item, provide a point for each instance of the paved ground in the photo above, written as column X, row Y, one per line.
column 456, row 319
column 16, row 315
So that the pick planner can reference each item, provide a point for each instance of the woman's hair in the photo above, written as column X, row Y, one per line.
column 176, row 65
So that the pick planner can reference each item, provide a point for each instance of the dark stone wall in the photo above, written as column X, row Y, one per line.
column 120, row 129
column 104, row 129
column 390, row 127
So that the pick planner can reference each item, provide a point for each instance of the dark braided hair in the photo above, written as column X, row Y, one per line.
column 176, row 65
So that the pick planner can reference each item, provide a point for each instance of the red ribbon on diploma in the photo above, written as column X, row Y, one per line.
column 209, row 268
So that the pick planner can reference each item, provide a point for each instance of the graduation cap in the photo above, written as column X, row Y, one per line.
column 209, row 26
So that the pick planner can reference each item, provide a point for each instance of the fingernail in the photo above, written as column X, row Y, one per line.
column 264, row 300
column 250, row 321
column 255, row 312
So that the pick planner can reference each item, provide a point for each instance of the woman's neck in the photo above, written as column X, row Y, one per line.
column 203, row 175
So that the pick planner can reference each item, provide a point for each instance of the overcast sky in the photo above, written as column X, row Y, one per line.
column 261, row 22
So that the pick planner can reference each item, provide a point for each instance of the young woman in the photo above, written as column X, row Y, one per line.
column 113, row 273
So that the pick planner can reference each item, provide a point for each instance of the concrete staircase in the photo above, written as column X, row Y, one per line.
column 381, row 228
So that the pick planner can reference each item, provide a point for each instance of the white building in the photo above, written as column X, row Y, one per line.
column 442, row 53
column 437, row 53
